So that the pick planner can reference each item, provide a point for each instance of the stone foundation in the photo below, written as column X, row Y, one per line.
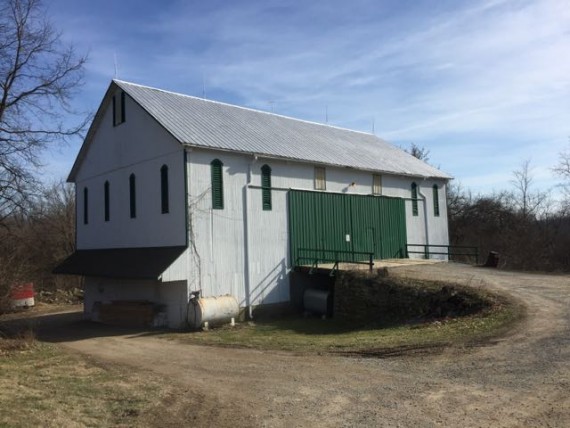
column 363, row 297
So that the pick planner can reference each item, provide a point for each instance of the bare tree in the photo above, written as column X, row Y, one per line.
column 36, row 241
column 39, row 75
column 418, row 152
column 562, row 169
column 53, row 220
column 563, row 166
column 526, row 199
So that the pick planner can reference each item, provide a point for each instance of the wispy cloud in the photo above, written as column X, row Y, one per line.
column 478, row 83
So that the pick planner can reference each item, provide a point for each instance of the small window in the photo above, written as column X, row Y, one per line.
column 107, row 207
column 85, row 205
column 266, row 187
column 435, row 200
column 320, row 178
column 217, row 184
column 376, row 184
column 118, row 109
column 164, row 189
column 133, row 195
column 414, row 199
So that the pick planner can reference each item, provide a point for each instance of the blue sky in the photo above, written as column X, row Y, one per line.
column 484, row 85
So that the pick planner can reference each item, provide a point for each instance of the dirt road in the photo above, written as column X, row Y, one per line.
column 519, row 380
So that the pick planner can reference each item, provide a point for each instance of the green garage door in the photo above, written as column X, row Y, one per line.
column 320, row 223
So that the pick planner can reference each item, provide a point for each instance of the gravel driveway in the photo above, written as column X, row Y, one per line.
column 519, row 380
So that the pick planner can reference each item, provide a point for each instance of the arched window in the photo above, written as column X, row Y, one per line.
column 85, row 205
column 435, row 200
column 266, row 187
column 107, row 202
column 217, row 184
column 164, row 189
column 414, row 199
column 133, row 195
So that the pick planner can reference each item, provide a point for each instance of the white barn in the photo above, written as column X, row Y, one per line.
column 177, row 194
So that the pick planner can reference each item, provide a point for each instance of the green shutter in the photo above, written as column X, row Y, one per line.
column 217, row 185
column 414, row 199
column 435, row 200
column 266, row 187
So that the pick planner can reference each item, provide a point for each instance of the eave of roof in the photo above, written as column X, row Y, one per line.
column 127, row 263
column 91, row 132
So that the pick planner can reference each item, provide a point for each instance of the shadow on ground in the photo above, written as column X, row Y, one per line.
column 68, row 327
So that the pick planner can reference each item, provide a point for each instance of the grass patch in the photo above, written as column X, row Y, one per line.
column 10, row 344
column 42, row 385
column 398, row 331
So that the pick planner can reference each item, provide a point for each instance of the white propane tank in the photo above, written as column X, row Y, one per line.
column 213, row 310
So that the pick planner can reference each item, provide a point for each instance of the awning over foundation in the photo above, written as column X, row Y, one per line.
column 135, row 263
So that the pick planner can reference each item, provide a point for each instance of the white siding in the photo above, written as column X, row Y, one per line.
column 436, row 226
column 139, row 146
column 174, row 296
column 220, row 235
column 178, row 270
column 269, row 245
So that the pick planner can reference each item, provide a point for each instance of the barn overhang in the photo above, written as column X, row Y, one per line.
column 124, row 263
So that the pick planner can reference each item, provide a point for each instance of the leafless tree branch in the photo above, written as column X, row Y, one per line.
column 39, row 75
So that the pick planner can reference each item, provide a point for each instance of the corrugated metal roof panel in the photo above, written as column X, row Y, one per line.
column 210, row 124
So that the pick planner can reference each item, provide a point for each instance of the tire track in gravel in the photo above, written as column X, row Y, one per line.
column 521, row 379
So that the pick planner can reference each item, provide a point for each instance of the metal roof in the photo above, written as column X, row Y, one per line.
column 204, row 123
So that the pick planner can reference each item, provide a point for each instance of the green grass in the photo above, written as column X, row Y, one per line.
column 315, row 335
column 42, row 385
